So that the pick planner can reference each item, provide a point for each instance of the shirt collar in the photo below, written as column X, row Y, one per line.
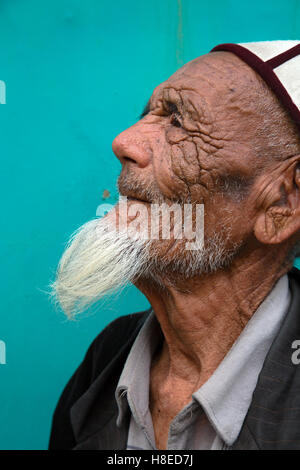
column 133, row 384
column 227, row 394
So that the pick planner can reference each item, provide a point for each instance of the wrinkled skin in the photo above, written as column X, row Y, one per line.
column 186, row 153
column 197, row 135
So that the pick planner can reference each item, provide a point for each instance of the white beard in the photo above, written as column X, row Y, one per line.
column 97, row 261
column 100, row 259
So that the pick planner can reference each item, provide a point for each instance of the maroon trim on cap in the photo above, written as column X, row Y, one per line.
column 284, row 56
column 265, row 70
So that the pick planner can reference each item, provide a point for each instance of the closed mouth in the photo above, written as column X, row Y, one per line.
column 134, row 198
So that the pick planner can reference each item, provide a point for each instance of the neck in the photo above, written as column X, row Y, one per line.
column 200, row 326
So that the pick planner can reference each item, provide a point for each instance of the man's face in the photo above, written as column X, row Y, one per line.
column 193, row 144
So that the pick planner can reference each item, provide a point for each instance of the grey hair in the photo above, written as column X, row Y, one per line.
column 277, row 137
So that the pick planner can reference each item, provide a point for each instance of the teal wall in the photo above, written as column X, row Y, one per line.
column 76, row 74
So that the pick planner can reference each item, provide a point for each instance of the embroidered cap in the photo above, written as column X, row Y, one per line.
column 278, row 63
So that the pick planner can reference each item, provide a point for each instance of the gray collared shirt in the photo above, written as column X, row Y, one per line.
column 216, row 412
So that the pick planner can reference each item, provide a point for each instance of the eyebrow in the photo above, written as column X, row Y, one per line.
column 145, row 110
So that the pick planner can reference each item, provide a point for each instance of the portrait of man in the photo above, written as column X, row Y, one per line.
column 209, row 365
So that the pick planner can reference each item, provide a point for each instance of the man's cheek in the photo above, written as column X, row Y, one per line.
column 185, row 167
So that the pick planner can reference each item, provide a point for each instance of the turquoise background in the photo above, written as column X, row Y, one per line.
column 77, row 73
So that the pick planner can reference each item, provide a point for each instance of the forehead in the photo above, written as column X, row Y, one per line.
column 215, row 75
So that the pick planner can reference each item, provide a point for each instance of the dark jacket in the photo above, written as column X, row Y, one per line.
column 85, row 416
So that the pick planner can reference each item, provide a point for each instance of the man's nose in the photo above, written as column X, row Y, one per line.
column 131, row 146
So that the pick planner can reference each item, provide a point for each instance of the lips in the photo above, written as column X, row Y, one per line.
column 134, row 198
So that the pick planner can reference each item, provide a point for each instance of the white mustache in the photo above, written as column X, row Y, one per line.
column 149, row 192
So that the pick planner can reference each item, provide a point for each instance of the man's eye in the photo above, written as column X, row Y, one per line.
column 175, row 121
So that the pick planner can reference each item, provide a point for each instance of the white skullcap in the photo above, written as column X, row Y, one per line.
column 278, row 63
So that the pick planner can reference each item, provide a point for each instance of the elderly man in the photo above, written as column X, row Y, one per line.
column 212, row 364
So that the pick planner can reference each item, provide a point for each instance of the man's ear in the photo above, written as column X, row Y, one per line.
column 279, row 217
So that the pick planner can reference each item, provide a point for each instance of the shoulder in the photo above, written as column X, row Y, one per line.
column 116, row 337
column 294, row 275
column 294, row 283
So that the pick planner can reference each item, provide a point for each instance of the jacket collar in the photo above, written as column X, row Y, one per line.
column 94, row 414
column 272, row 421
